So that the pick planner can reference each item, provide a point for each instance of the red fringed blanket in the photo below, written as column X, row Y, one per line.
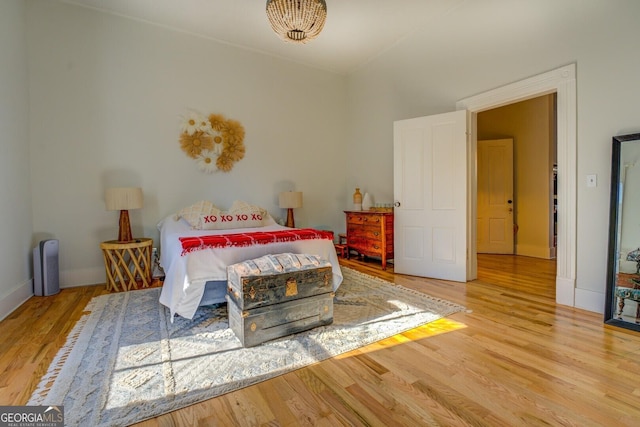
column 190, row 244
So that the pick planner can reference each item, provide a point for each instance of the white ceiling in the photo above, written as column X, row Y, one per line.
column 355, row 31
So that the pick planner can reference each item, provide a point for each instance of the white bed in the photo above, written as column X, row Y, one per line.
column 187, row 276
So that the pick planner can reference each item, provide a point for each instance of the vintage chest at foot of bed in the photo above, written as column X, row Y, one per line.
column 279, row 295
column 253, row 327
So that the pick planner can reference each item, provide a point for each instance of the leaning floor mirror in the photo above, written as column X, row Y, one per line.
column 623, row 269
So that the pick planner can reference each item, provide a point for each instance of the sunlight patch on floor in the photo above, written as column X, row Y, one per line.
column 428, row 330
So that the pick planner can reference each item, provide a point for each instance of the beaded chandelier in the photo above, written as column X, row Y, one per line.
column 297, row 21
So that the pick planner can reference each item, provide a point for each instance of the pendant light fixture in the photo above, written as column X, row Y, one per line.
column 297, row 21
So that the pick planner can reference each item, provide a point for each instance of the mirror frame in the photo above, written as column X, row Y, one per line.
column 614, row 217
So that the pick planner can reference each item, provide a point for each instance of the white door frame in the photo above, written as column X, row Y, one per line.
column 561, row 81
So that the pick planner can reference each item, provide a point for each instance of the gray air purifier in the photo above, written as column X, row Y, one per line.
column 46, row 278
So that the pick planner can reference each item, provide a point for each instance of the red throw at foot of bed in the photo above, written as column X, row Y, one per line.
column 190, row 244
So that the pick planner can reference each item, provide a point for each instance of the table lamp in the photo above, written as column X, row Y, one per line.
column 123, row 199
column 290, row 200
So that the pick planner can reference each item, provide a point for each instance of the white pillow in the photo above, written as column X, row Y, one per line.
column 239, row 206
column 193, row 213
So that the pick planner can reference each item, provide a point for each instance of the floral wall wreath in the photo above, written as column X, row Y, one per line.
column 214, row 142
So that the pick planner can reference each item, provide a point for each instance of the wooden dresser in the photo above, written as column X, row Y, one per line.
column 370, row 234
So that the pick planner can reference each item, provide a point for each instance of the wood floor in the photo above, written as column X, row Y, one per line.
column 514, row 359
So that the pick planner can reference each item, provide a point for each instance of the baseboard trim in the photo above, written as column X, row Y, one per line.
column 590, row 300
column 565, row 291
column 16, row 298
column 82, row 277
column 536, row 251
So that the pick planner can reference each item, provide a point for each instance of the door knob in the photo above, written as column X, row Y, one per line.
column 509, row 201
column 396, row 204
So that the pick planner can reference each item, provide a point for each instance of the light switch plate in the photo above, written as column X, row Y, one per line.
column 592, row 180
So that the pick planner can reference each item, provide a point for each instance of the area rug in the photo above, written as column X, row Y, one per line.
column 125, row 361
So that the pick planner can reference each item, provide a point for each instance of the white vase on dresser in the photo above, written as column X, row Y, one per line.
column 367, row 202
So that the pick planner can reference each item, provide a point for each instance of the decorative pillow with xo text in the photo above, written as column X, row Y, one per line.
column 241, row 215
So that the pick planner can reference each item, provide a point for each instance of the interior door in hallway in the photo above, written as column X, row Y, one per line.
column 495, row 197
column 430, row 189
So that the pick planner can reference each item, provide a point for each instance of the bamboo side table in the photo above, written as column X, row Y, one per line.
column 128, row 265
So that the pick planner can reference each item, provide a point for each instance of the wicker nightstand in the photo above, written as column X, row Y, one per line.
column 128, row 265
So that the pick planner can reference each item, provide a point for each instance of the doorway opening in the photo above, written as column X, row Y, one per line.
column 562, row 82
column 516, row 161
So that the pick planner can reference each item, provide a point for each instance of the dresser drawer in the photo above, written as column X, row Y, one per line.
column 356, row 219
column 370, row 233
column 371, row 248
column 367, row 247
column 373, row 220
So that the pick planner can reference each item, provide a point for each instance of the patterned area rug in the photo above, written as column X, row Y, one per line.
column 125, row 361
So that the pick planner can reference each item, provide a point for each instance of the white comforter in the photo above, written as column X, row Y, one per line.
column 186, row 275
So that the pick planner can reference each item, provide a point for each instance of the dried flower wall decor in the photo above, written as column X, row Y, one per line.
column 214, row 142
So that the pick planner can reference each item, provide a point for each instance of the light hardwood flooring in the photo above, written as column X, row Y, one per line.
column 515, row 358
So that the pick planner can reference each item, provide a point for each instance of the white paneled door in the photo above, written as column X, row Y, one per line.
column 495, row 196
column 430, row 190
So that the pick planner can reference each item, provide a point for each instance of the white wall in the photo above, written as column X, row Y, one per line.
column 15, row 192
column 106, row 96
column 459, row 56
